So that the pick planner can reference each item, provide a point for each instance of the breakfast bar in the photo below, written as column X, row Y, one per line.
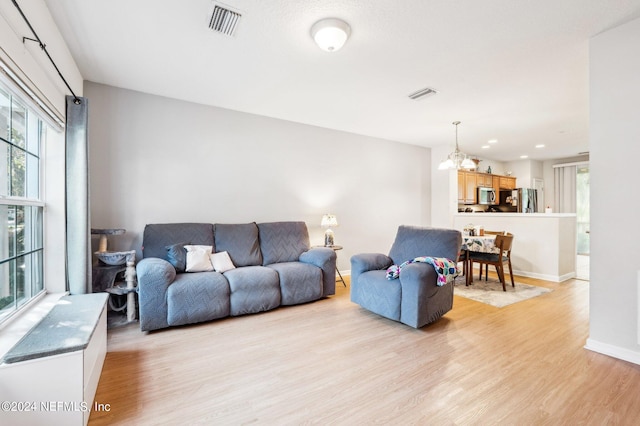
column 544, row 244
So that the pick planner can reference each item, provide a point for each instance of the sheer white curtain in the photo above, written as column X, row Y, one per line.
column 77, row 194
column 565, row 187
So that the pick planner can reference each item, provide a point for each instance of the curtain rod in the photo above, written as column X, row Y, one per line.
column 575, row 163
column 76, row 100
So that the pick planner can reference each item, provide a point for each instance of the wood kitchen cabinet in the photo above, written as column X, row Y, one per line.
column 467, row 184
column 507, row 182
column 495, row 183
column 483, row 179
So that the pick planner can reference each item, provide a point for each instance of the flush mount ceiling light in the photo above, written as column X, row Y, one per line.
column 457, row 159
column 330, row 34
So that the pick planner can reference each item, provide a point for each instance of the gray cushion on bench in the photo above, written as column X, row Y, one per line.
column 68, row 327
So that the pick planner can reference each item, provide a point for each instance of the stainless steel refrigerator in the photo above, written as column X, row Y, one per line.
column 525, row 200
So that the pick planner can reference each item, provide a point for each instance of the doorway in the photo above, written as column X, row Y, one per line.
column 582, row 221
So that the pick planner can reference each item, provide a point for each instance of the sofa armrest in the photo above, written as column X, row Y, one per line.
column 154, row 277
column 364, row 262
column 325, row 259
column 419, row 283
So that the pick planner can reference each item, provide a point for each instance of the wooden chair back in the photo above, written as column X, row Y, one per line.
column 504, row 242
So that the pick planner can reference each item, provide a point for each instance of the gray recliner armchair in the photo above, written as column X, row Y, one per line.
column 414, row 299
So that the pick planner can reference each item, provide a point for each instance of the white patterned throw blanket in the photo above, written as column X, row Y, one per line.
column 446, row 269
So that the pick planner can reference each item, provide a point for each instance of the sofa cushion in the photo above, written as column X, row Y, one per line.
column 283, row 241
column 253, row 289
column 158, row 236
column 177, row 256
column 376, row 293
column 198, row 258
column 413, row 241
column 221, row 262
column 197, row 297
column 299, row 282
column 240, row 241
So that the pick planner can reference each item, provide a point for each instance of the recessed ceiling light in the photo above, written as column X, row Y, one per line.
column 485, row 147
column 423, row 92
column 493, row 141
column 540, row 145
column 524, row 156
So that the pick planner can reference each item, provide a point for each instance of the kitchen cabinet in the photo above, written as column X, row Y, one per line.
column 495, row 183
column 507, row 182
column 467, row 184
column 483, row 179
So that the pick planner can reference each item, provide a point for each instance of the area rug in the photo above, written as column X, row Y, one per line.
column 490, row 292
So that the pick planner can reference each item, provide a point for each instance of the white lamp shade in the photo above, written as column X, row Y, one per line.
column 467, row 164
column 328, row 221
column 330, row 34
column 446, row 164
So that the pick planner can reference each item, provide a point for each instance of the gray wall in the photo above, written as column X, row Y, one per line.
column 614, row 133
column 155, row 160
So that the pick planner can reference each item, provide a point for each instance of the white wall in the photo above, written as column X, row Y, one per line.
column 157, row 160
column 444, row 189
column 525, row 171
column 614, row 133
column 30, row 63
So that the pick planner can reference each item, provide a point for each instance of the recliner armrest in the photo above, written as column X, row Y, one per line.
column 154, row 276
column 419, row 284
column 325, row 259
column 364, row 262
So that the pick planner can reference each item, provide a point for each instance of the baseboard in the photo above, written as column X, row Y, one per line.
column 545, row 277
column 554, row 278
column 613, row 351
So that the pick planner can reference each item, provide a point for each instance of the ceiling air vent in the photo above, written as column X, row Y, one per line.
column 224, row 20
column 427, row 91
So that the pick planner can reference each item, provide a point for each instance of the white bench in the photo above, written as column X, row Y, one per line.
column 51, row 375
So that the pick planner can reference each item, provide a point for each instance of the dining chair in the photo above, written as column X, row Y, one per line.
column 504, row 243
column 486, row 267
column 464, row 258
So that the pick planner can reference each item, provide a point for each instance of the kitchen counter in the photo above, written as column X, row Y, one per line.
column 512, row 214
column 544, row 244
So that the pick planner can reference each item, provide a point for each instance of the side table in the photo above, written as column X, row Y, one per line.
column 336, row 248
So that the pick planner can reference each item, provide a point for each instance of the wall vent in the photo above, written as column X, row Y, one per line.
column 224, row 20
column 427, row 91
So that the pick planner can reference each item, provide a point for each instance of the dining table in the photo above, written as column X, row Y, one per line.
column 477, row 244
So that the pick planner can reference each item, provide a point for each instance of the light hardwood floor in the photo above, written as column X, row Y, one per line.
column 332, row 362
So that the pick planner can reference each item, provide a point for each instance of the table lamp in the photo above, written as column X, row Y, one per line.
column 328, row 221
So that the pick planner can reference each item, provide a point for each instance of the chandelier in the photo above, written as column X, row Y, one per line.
column 457, row 159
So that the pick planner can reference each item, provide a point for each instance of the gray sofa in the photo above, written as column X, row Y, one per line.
column 274, row 266
column 414, row 299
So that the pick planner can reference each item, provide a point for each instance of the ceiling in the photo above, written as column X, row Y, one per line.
column 515, row 71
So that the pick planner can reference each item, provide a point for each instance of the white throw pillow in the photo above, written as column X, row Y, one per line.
column 222, row 262
column 198, row 258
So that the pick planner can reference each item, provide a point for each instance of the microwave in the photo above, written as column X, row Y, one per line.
column 486, row 195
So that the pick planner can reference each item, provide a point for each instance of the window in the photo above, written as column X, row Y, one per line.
column 22, row 133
